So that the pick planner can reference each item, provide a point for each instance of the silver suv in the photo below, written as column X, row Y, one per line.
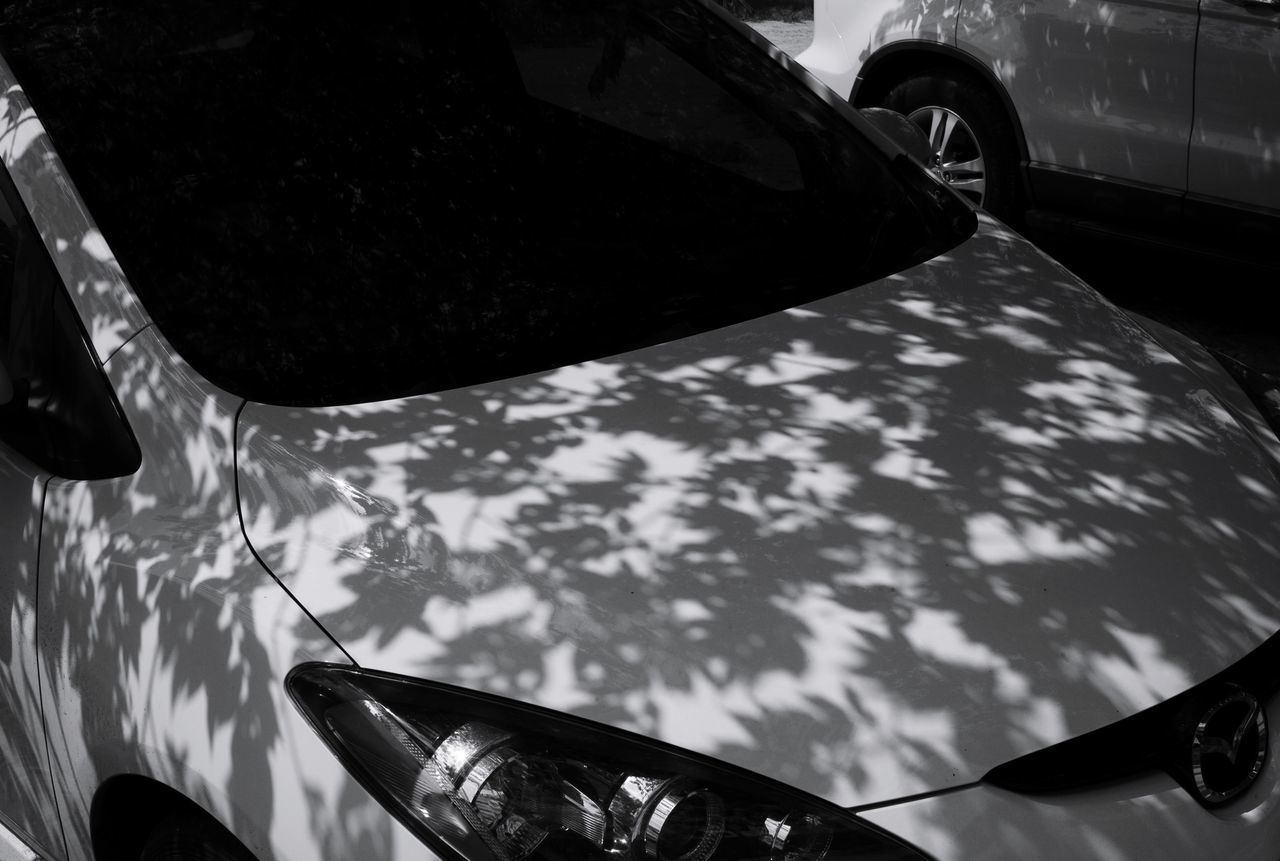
column 1151, row 115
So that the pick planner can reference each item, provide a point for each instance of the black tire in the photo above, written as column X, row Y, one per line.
column 192, row 838
column 981, row 110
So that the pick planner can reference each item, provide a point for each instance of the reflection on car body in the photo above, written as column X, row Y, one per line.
column 584, row 438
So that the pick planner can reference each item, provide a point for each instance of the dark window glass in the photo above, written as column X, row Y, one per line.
column 56, row 407
column 639, row 86
column 383, row 198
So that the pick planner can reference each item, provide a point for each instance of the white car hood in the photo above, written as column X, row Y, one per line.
column 872, row 547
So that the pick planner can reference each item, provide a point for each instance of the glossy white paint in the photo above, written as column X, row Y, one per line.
column 1136, row 820
column 866, row 548
column 26, row 797
column 1235, row 146
column 870, row 548
column 108, row 308
column 846, row 32
column 1196, row 357
column 166, row 643
column 12, row 848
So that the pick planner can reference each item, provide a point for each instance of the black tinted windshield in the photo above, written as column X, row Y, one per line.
column 331, row 203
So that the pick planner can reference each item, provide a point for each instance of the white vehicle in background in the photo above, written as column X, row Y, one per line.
column 1149, row 117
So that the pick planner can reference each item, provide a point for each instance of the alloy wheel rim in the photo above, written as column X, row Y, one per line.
column 954, row 154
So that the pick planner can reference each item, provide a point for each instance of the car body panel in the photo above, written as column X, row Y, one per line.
column 108, row 308
column 1231, row 396
column 846, row 34
column 1147, row 816
column 727, row 542
column 26, row 789
column 26, row 796
column 1235, row 145
column 1100, row 88
column 871, row 547
column 166, row 643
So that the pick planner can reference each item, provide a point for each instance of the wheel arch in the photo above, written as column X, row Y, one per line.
column 896, row 61
column 127, row 808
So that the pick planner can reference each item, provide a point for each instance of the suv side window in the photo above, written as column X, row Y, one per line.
column 56, row 406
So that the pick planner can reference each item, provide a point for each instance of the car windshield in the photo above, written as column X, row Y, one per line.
column 393, row 198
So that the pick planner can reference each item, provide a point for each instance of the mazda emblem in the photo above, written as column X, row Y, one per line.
column 1229, row 747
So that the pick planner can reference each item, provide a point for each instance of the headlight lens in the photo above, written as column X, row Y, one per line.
column 477, row 777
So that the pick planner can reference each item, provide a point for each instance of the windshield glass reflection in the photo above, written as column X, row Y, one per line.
column 368, row 209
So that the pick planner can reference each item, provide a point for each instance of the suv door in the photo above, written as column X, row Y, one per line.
column 1103, row 89
column 1235, row 143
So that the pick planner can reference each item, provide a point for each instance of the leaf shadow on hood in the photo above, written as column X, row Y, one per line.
column 870, row 547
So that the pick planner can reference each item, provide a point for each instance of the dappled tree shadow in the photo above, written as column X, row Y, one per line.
column 109, row 311
column 870, row 547
column 25, row 792
column 146, row 568
column 164, row 643
column 874, row 546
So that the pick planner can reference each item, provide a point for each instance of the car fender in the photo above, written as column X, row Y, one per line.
column 165, row 642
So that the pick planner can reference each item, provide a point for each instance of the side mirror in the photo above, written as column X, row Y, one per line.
column 900, row 130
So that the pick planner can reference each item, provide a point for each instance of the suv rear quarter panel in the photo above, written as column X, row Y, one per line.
column 848, row 32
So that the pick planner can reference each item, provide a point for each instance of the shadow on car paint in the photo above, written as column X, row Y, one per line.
column 735, row 551
column 119, row 602
column 141, row 568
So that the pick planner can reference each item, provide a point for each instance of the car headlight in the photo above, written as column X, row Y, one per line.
column 478, row 777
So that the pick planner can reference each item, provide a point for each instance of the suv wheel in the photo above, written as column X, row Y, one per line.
column 971, row 141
